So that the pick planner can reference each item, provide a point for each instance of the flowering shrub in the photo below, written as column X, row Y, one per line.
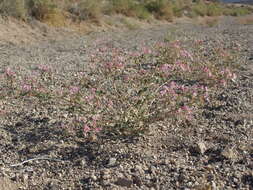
column 124, row 92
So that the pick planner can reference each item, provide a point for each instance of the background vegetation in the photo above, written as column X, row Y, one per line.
column 56, row 11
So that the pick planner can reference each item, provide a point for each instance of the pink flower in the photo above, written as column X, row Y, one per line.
column 135, row 54
column 176, row 44
column 208, row 72
column 89, row 98
column 199, row 41
column 163, row 92
column 126, row 78
column 44, row 68
column 121, row 59
column 26, row 88
column 194, row 94
column 229, row 74
column 142, row 72
column 165, row 68
column 119, row 65
column 97, row 129
column 160, row 44
column 224, row 53
column 185, row 53
column 179, row 110
column 183, row 67
column 110, row 103
column 146, row 50
column 206, row 96
column 223, row 82
column 234, row 77
column 9, row 72
column 86, row 129
column 74, row 89
column 173, row 85
column 188, row 112
column 222, row 72
column 184, row 88
column 93, row 90
column 172, row 93
column 109, row 65
column 95, row 117
column 206, row 69
column 186, row 108
column 178, row 62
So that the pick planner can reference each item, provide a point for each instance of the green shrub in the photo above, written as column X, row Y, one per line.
column 214, row 9
column 125, row 7
column 200, row 9
column 40, row 9
column 192, row 14
column 129, row 8
column 141, row 12
column 89, row 9
column 178, row 7
column 239, row 11
column 15, row 8
column 162, row 9
column 56, row 18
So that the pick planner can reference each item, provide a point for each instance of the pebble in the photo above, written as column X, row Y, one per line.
column 112, row 162
column 139, row 169
column 229, row 153
column 93, row 177
column 106, row 174
column 124, row 182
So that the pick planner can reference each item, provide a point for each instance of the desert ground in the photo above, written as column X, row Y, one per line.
column 213, row 152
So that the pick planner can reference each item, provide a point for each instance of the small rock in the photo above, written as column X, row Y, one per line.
column 92, row 138
column 93, row 177
column 81, row 162
column 199, row 148
column 137, row 180
column 54, row 186
column 166, row 162
column 139, row 169
column 124, row 182
column 24, row 178
column 105, row 174
column 153, row 170
column 112, row 162
column 214, row 187
column 148, row 177
column 229, row 154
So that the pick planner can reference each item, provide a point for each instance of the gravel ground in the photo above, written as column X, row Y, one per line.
column 216, row 152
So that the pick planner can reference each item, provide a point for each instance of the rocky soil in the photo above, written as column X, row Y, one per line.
column 216, row 152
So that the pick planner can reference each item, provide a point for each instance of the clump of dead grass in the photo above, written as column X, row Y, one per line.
column 209, row 21
column 245, row 20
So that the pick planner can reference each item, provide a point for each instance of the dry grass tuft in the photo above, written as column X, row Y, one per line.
column 210, row 21
column 245, row 20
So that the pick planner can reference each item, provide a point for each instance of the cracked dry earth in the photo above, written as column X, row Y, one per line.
column 216, row 152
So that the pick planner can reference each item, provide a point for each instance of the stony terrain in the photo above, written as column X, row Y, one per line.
column 216, row 152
